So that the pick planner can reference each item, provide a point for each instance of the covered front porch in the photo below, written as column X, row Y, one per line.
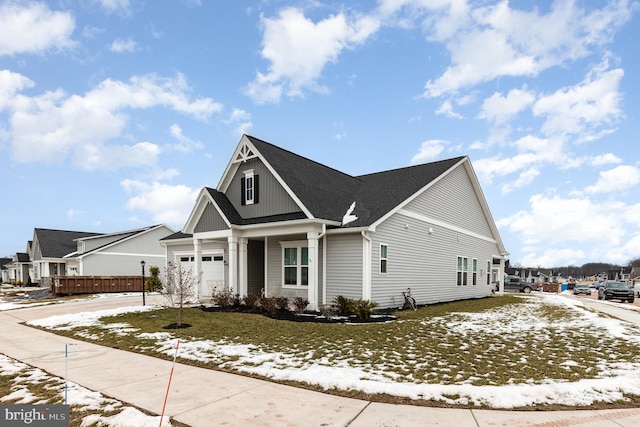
column 267, row 260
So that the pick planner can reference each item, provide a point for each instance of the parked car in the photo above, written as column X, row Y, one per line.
column 514, row 283
column 616, row 290
column 581, row 289
column 636, row 289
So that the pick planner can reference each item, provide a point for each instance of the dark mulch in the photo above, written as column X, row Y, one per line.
column 177, row 326
column 300, row 317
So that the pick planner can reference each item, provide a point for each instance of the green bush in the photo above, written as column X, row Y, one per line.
column 153, row 282
column 344, row 305
column 363, row 309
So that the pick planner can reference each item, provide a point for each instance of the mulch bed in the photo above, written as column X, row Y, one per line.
column 301, row 317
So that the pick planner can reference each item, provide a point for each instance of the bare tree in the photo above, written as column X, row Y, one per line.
column 182, row 287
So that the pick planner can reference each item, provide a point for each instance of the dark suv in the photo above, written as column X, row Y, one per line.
column 615, row 290
column 513, row 283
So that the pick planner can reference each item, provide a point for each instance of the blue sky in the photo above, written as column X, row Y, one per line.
column 115, row 113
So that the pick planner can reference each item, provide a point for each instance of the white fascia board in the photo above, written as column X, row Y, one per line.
column 485, row 206
column 232, row 167
column 349, row 230
column 416, row 194
column 201, row 203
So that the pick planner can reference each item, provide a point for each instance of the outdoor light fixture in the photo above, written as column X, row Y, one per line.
column 142, row 264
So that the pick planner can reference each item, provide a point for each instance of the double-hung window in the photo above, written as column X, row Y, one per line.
column 384, row 259
column 295, row 264
column 488, row 273
column 474, row 271
column 248, row 187
column 463, row 265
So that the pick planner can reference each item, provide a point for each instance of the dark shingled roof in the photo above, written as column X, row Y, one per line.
column 22, row 257
column 177, row 235
column 58, row 243
column 329, row 193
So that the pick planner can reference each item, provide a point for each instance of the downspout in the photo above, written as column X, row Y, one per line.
column 366, row 267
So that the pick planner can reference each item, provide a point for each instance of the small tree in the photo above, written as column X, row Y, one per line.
column 153, row 282
column 181, row 289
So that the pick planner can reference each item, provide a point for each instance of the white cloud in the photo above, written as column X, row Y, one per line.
column 49, row 127
column 429, row 150
column 298, row 50
column 123, row 7
column 186, row 144
column 525, row 178
column 167, row 204
column 583, row 107
column 557, row 231
column 446, row 108
column 10, row 84
column 99, row 156
column 497, row 41
column 123, row 46
column 33, row 28
column 605, row 159
column 241, row 120
column 620, row 178
column 499, row 109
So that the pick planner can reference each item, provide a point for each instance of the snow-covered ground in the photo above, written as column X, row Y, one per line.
column 80, row 398
column 614, row 378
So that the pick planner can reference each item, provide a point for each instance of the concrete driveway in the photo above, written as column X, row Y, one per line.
column 203, row 397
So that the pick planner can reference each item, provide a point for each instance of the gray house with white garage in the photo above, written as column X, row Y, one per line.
column 279, row 224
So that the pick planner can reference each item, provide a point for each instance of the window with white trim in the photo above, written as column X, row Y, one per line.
column 249, row 186
column 295, row 264
column 463, row 265
column 474, row 271
column 488, row 272
column 384, row 258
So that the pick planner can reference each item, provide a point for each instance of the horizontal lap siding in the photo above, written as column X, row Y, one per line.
column 427, row 263
column 454, row 201
column 344, row 266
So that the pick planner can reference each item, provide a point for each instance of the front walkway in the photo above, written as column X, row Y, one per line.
column 203, row 397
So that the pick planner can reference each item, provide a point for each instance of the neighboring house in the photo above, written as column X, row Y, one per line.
column 280, row 224
column 67, row 253
column 118, row 254
column 19, row 269
column 4, row 270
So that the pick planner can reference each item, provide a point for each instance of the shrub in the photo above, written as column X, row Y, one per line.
column 271, row 305
column 363, row 309
column 300, row 304
column 328, row 311
column 251, row 301
column 344, row 305
column 153, row 282
column 223, row 297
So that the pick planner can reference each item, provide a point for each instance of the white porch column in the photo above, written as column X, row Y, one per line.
column 312, row 291
column 242, row 266
column 233, row 262
column 197, row 265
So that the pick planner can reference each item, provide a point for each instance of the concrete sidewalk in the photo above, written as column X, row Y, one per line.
column 203, row 397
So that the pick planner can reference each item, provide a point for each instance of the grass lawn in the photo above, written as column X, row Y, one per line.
column 492, row 342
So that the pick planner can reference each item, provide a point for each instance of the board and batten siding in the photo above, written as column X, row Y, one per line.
column 344, row 266
column 454, row 201
column 273, row 199
column 210, row 220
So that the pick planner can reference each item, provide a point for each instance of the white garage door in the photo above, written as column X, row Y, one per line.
column 212, row 273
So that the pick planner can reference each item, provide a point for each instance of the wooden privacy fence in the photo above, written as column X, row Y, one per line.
column 95, row 284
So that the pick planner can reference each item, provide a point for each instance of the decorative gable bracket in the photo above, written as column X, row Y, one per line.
column 244, row 153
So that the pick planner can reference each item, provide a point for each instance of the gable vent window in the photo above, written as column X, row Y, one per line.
column 249, row 186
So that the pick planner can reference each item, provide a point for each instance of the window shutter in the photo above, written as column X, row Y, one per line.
column 243, row 200
column 256, row 188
